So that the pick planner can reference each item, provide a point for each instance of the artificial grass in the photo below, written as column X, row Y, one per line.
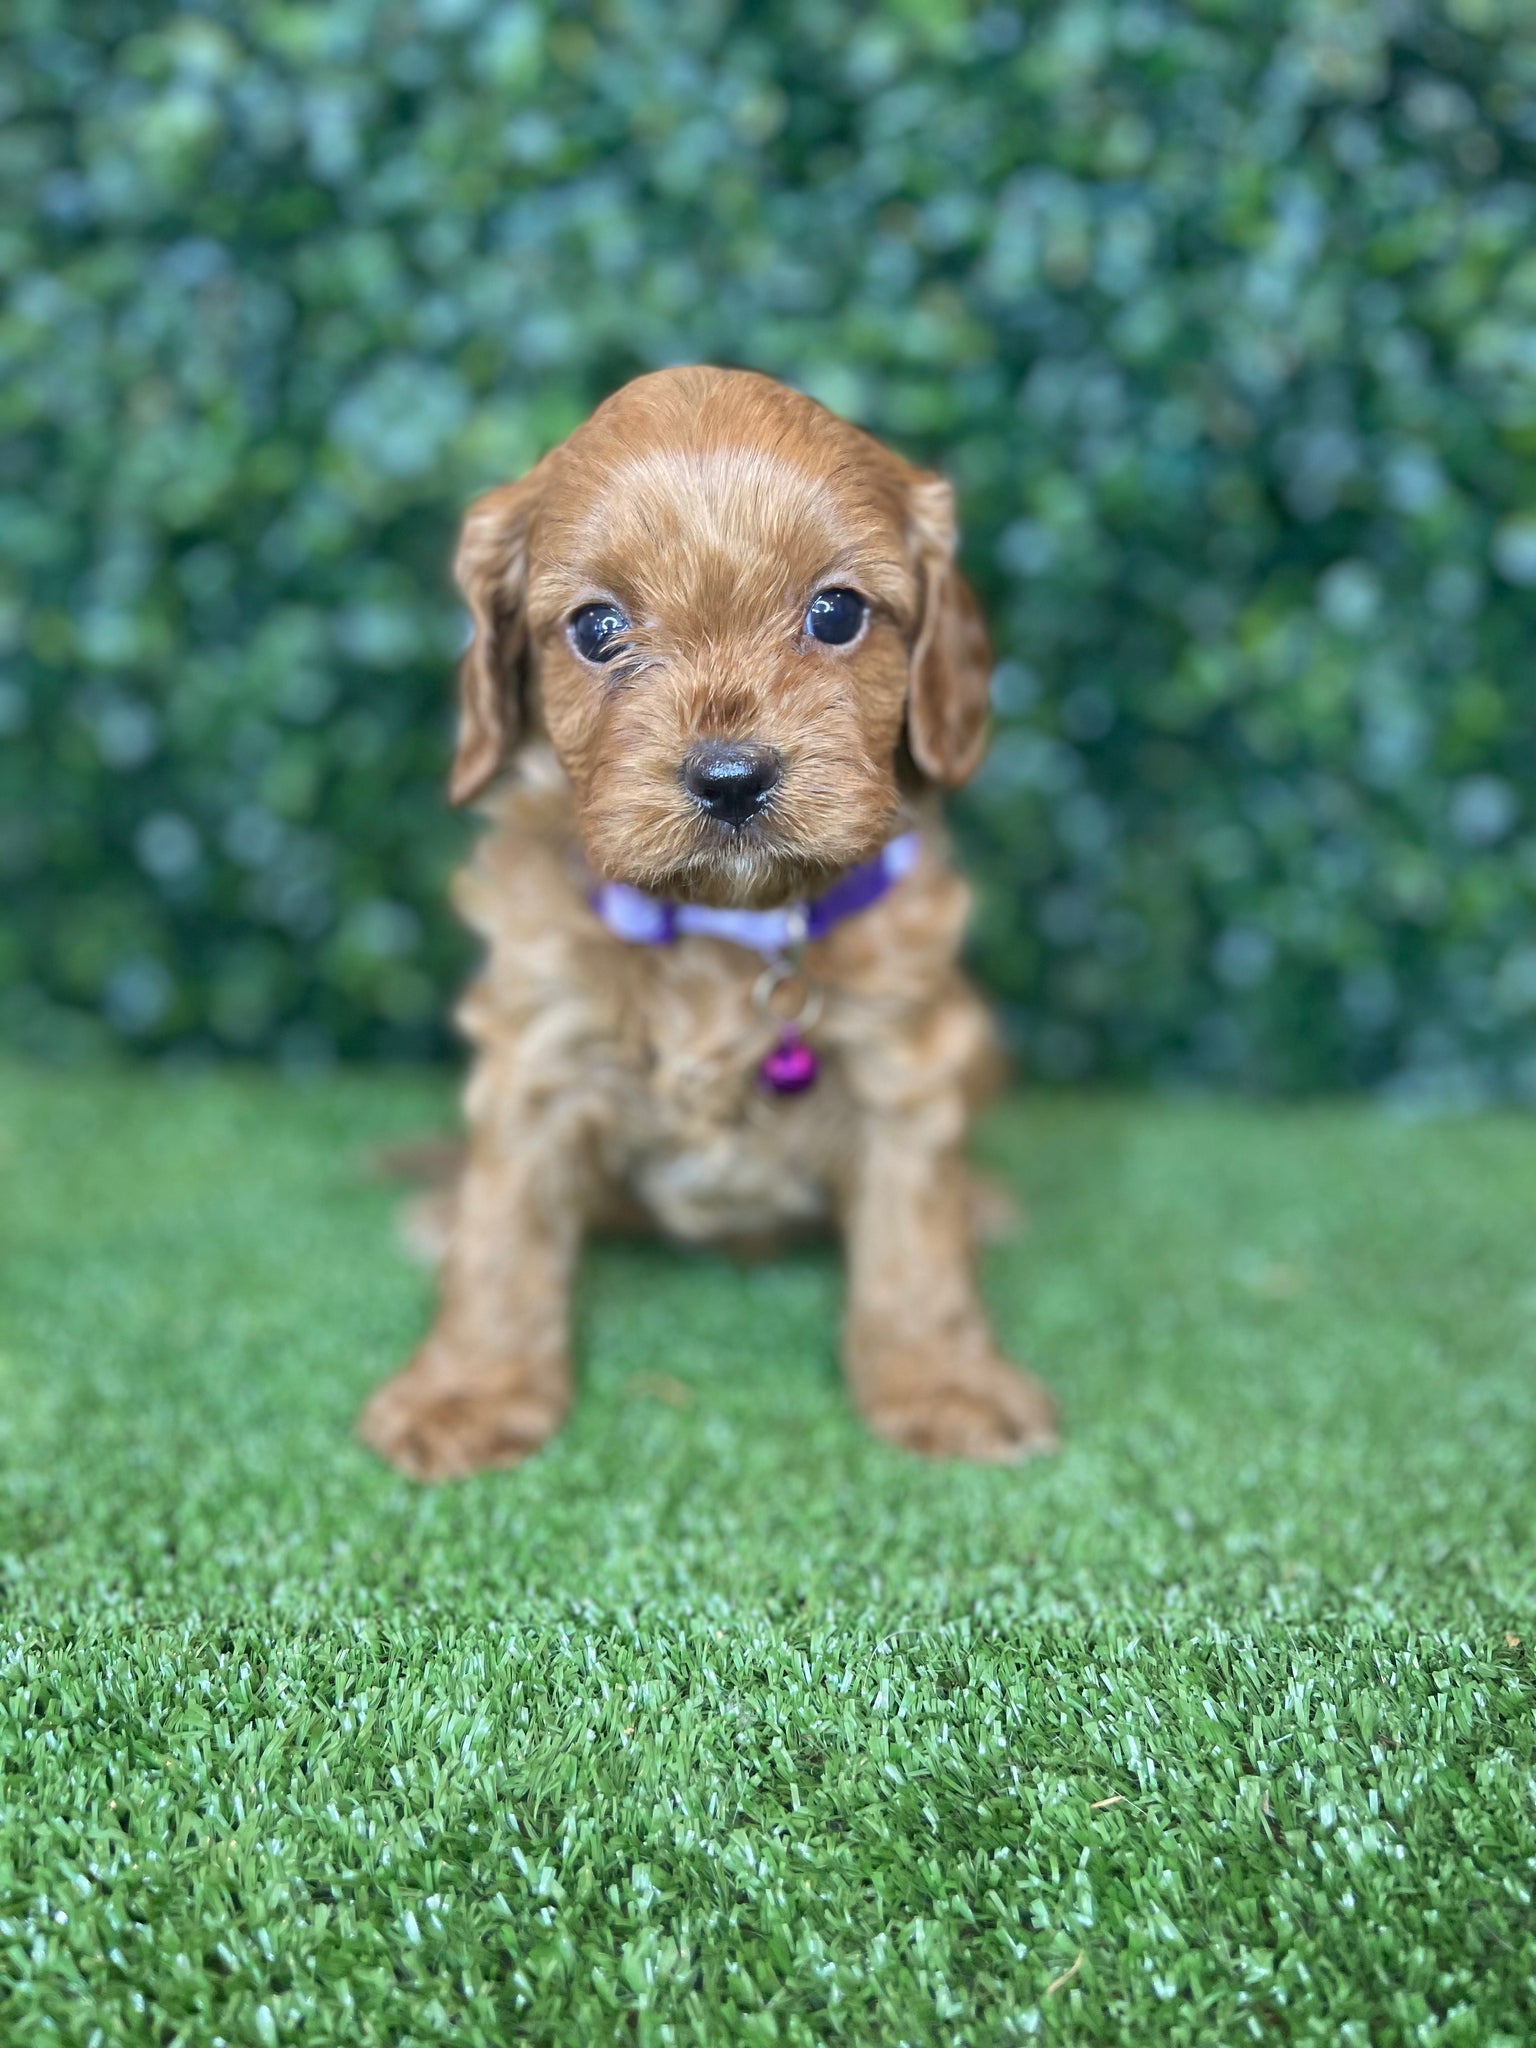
column 719, row 1722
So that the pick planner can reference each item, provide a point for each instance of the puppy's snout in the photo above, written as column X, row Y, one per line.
column 732, row 781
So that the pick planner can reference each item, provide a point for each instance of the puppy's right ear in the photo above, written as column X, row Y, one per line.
column 490, row 568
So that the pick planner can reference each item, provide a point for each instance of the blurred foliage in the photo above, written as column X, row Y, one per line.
column 1222, row 316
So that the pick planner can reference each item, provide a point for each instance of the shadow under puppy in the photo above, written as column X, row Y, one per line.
column 722, row 663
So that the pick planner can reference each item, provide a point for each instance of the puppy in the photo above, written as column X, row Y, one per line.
column 722, row 664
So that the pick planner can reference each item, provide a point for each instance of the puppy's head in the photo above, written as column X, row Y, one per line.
column 738, row 620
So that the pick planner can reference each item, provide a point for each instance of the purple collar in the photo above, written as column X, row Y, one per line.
column 644, row 920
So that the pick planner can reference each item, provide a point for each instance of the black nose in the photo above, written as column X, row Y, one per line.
column 731, row 781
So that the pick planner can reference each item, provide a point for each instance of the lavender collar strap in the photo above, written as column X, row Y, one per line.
column 652, row 921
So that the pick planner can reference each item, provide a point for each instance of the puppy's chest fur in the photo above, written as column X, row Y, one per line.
column 653, row 1051
column 692, row 1136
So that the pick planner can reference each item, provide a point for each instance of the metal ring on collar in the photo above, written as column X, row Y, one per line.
column 773, row 977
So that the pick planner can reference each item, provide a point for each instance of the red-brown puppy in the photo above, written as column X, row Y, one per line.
column 722, row 661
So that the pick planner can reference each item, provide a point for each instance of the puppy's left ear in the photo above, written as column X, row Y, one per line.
column 490, row 568
column 951, row 665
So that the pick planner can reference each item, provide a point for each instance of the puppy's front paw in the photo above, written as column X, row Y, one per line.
column 984, row 1409
column 434, row 1426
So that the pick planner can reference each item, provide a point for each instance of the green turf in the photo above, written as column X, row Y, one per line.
column 719, row 1722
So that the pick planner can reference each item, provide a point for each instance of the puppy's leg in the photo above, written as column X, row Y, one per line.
column 492, row 1380
column 921, row 1363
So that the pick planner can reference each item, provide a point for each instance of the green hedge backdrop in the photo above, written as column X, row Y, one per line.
column 1222, row 317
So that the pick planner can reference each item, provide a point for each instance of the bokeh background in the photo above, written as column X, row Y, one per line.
column 1222, row 317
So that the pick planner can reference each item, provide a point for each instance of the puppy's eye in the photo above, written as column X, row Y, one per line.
column 836, row 616
column 597, row 630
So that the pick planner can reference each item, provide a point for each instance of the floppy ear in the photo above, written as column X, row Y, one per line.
column 490, row 567
column 951, row 665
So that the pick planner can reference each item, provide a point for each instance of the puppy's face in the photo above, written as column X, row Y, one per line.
column 740, row 619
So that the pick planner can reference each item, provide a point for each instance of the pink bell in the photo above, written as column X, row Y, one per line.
column 790, row 1068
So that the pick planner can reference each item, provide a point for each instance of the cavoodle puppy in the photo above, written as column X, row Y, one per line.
column 722, row 664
